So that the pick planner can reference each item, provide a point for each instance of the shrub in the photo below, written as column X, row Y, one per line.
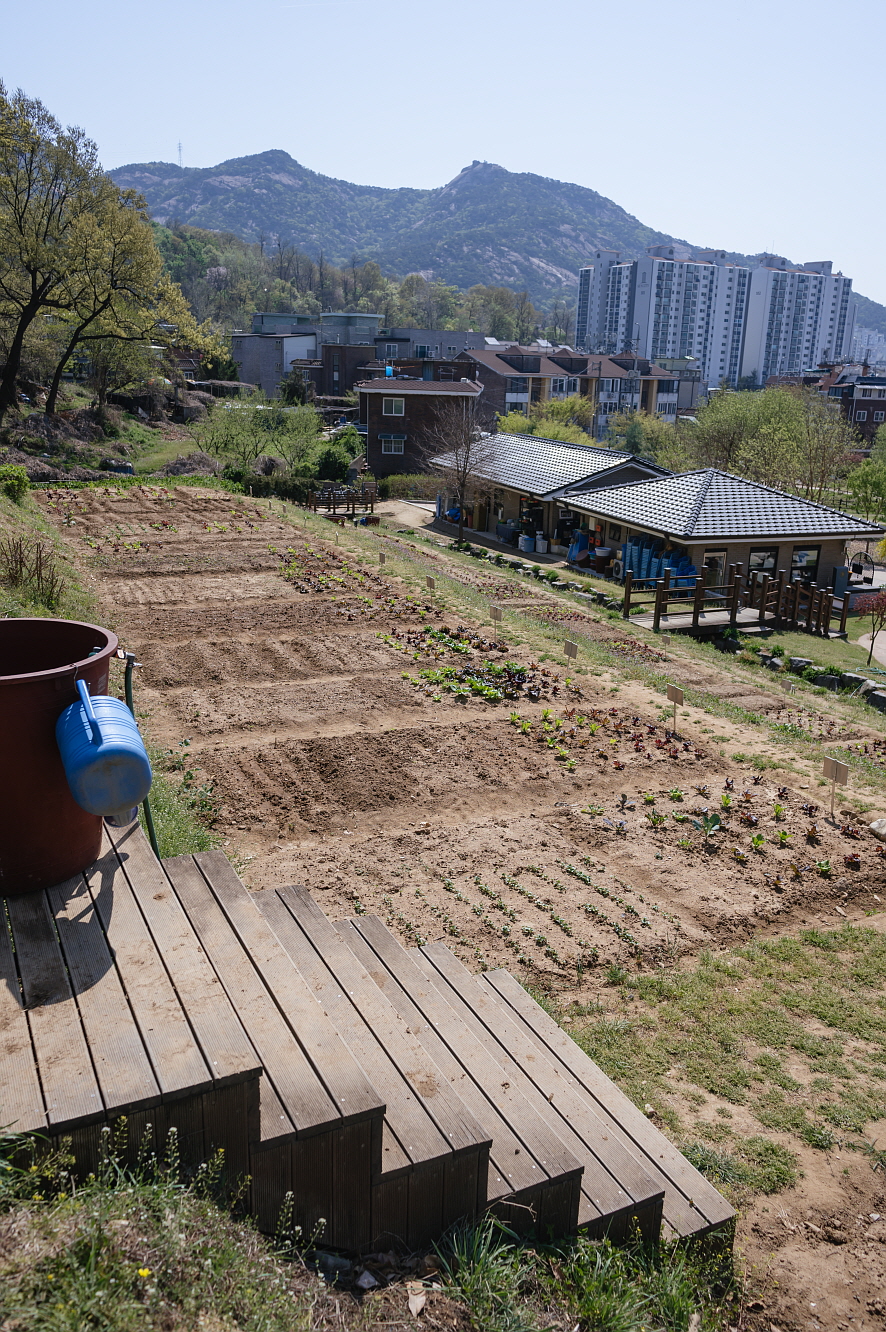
column 31, row 566
column 412, row 485
column 810, row 672
column 14, row 482
column 333, row 463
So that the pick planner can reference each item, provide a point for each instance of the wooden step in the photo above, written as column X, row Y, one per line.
column 98, row 1023
column 321, row 1118
column 577, row 1090
column 614, row 1193
column 534, row 1180
column 435, row 1157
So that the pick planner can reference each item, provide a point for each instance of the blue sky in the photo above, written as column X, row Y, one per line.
column 755, row 126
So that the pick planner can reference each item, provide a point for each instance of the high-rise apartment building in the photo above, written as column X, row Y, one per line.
column 796, row 317
column 734, row 320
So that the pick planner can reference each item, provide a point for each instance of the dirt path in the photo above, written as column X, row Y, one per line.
column 551, row 847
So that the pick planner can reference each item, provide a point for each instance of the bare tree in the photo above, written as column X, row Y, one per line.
column 458, row 447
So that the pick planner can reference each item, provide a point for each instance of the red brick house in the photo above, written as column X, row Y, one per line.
column 395, row 416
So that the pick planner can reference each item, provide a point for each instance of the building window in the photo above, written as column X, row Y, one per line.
column 447, row 372
column 392, row 349
column 879, row 416
column 714, row 568
column 558, row 385
column 451, row 351
column 516, row 384
column 392, row 443
column 867, row 393
column 422, row 351
column 861, row 416
column 804, row 563
column 615, row 531
column 762, row 559
column 392, row 406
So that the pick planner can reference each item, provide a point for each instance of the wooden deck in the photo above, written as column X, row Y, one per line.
column 389, row 1090
column 706, row 622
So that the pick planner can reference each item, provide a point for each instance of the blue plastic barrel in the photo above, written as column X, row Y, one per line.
column 103, row 754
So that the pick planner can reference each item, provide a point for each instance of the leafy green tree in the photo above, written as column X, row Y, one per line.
column 293, row 389
column 50, row 180
column 117, row 288
column 351, row 441
column 217, row 363
column 878, row 448
column 333, row 463
column 654, row 437
column 116, row 364
column 827, row 441
column 867, row 488
column 751, row 434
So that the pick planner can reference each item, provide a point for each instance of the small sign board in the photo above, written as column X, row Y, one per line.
column 495, row 613
column 789, row 687
column 571, row 649
column 381, row 557
column 675, row 696
column 431, row 583
column 835, row 771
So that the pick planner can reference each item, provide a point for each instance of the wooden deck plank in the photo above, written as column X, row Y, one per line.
column 176, row 1058
column 225, row 1045
column 312, row 1182
column 119, row 1058
column 274, row 1123
column 518, row 1161
column 21, row 1100
column 613, row 1180
column 344, row 1079
column 691, row 1203
column 426, row 1221
column 70, row 1089
column 390, row 1212
column 306, row 1100
column 350, row 1223
column 413, row 1126
column 458, row 1126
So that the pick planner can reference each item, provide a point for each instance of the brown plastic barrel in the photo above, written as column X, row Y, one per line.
column 45, row 837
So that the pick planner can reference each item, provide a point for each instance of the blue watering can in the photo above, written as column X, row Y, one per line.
column 104, row 756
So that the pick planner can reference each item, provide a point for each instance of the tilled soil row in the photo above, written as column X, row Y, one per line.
column 277, row 665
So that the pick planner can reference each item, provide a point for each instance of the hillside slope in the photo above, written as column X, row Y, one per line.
column 487, row 225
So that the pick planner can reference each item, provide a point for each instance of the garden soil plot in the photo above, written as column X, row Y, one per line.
column 354, row 743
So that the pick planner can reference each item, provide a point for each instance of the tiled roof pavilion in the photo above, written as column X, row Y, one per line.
column 545, row 467
column 709, row 504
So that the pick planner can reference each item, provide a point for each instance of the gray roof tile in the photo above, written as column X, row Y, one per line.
column 709, row 504
column 541, row 466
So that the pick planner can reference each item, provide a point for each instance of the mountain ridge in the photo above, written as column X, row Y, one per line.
column 471, row 230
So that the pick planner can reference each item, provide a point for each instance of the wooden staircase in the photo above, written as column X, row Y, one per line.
column 398, row 1093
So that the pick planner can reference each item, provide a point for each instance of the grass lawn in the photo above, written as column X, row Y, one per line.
column 792, row 1031
column 832, row 653
column 155, row 452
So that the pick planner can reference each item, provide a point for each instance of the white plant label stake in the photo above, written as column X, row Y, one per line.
column 834, row 771
column 675, row 696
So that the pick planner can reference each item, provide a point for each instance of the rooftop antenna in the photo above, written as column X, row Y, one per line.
column 179, row 153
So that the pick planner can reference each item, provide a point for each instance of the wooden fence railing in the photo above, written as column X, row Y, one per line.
column 343, row 499
column 764, row 598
